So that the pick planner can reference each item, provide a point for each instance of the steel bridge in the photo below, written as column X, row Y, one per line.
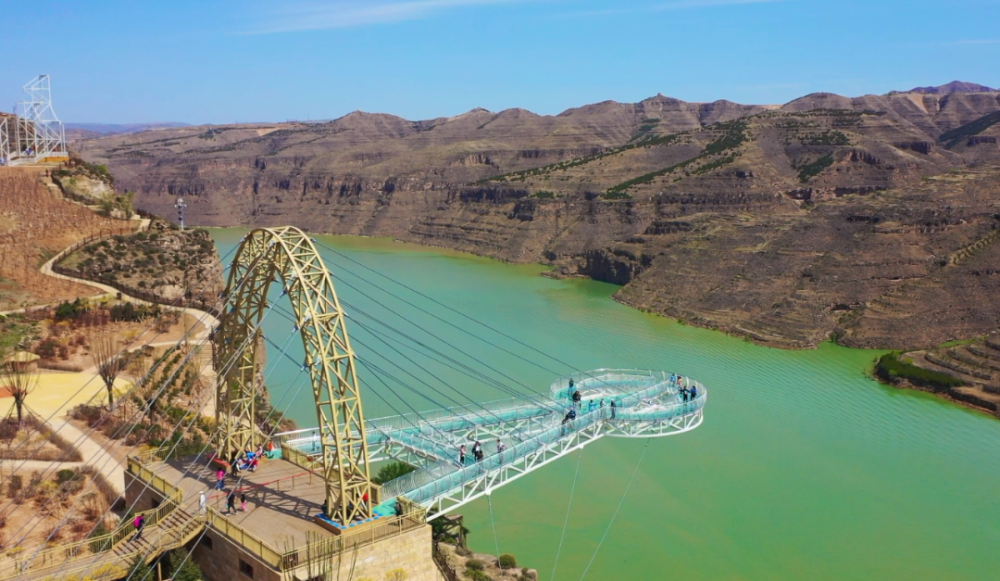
column 518, row 435
column 533, row 429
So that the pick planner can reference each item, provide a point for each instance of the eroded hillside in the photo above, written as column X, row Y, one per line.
column 827, row 216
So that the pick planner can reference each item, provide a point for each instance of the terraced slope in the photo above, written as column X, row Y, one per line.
column 825, row 216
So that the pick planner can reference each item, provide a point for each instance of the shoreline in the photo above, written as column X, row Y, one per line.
column 869, row 372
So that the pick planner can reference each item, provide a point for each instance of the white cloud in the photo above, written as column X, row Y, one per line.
column 667, row 6
column 967, row 42
column 351, row 13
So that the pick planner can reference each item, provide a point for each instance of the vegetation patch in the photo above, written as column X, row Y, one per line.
column 813, row 168
column 956, row 135
column 892, row 368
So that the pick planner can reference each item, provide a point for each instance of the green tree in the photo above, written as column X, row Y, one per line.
column 392, row 471
column 183, row 569
column 140, row 571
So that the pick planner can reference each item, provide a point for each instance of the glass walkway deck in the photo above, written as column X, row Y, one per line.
column 519, row 435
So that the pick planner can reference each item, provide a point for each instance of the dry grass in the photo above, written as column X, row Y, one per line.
column 35, row 224
column 34, row 440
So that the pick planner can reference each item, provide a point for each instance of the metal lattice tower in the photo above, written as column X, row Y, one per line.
column 180, row 205
column 35, row 134
column 286, row 255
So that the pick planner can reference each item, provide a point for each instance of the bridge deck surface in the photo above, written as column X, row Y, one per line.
column 282, row 498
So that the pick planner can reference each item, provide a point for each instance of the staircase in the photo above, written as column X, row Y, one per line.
column 174, row 531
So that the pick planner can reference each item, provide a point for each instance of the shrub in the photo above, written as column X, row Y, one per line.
column 507, row 561
column 477, row 575
column 14, row 485
column 475, row 565
column 65, row 475
column 891, row 368
column 392, row 471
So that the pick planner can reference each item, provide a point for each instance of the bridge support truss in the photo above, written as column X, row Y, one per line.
column 287, row 256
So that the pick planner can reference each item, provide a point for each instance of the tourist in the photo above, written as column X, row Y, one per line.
column 364, row 500
column 570, row 390
column 399, row 508
column 477, row 451
column 201, row 502
column 602, row 403
column 684, row 394
column 220, row 479
column 461, row 454
column 243, row 502
column 577, row 398
column 570, row 416
column 231, row 502
column 500, row 446
column 590, row 406
column 138, row 523
column 693, row 392
column 612, row 409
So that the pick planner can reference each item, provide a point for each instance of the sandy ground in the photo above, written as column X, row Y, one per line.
column 60, row 391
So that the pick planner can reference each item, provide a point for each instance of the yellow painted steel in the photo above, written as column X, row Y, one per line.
column 288, row 256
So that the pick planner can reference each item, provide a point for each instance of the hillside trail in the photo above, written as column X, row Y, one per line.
column 90, row 450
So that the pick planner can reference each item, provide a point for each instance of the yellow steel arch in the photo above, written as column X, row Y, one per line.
column 265, row 256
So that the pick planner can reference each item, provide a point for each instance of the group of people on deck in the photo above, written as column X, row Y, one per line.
column 477, row 451
column 689, row 394
column 246, row 460
column 577, row 403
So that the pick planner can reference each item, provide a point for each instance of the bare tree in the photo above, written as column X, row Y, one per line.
column 110, row 363
column 138, row 370
column 20, row 381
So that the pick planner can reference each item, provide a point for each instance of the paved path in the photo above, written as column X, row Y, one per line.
column 91, row 451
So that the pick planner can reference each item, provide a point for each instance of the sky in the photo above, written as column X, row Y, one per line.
column 229, row 61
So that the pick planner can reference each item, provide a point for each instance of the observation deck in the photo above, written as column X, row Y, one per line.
column 533, row 430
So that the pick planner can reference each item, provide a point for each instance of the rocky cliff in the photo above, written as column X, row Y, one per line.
column 871, row 219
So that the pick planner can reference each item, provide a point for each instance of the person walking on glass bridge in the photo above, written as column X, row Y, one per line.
column 590, row 406
column 500, row 446
column 461, row 454
column 613, row 409
column 477, row 451
column 577, row 398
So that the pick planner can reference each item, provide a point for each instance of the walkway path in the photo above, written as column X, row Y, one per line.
column 91, row 451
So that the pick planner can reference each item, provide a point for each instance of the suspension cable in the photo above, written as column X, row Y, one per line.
column 617, row 510
column 569, row 507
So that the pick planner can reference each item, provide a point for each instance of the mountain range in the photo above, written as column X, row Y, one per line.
column 871, row 220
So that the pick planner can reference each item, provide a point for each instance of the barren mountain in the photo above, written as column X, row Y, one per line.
column 872, row 219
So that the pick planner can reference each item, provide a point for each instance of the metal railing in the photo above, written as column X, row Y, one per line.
column 422, row 485
column 88, row 547
column 384, row 528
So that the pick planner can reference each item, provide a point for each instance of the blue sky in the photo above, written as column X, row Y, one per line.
column 250, row 60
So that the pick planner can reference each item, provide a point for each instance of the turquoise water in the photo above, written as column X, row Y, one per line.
column 803, row 469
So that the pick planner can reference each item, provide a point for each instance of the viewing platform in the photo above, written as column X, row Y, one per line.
column 532, row 430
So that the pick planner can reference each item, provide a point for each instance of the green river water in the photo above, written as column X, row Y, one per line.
column 804, row 468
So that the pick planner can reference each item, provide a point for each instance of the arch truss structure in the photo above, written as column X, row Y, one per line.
column 288, row 257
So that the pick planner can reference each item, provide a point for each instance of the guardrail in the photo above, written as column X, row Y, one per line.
column 287, row 560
